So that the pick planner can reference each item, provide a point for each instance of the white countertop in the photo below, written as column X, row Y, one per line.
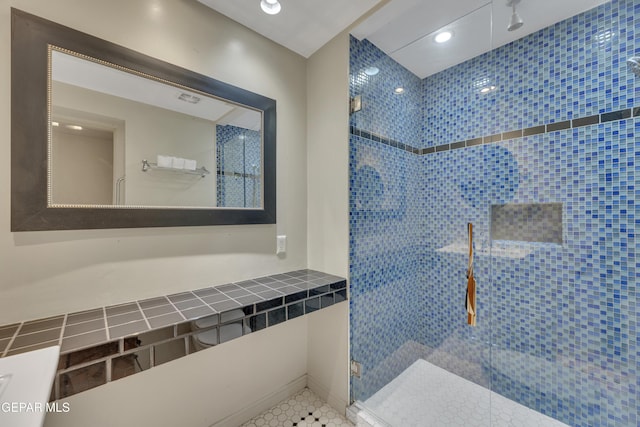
column 25, row 386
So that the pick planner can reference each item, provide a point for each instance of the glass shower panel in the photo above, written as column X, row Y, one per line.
column 239, row 153
column 412, row 194
column 533, row 140
column 564, row 333
column 385, row 202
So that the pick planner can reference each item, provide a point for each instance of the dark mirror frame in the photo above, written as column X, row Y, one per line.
column 30, row 39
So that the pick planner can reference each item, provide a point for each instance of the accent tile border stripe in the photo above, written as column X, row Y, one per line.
column 623, row 114
column 384, row 140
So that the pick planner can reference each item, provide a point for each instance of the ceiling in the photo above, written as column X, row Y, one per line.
column 403, row 29
column 302, row 26
column 91, row 75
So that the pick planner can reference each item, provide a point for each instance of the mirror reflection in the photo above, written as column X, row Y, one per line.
column 123, row 139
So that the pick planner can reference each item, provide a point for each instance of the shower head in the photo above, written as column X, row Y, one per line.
column 516, row 21
column 634, row 65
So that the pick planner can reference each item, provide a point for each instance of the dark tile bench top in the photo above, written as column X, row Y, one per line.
column 82, row 330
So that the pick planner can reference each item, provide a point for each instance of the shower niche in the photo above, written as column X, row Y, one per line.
column 527, row 222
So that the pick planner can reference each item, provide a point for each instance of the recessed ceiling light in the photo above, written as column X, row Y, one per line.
column 271, row 7
column 74, row 127
column 443, row 36
column 604, row 36
column 55, row 124
column 371, row 71
column 487, row 89
column 398, row 90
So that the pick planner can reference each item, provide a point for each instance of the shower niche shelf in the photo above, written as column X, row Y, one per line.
column 500, row 250
column 527, row 222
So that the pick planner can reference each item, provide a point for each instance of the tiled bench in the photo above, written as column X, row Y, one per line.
column 109, row 343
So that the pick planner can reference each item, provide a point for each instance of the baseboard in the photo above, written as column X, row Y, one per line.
column 325, row 394
column 261, row 405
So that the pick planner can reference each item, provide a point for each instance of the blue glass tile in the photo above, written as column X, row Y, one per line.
column 557, row 323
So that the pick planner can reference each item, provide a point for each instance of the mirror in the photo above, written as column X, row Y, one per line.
column 105, row 137
column 119, row 138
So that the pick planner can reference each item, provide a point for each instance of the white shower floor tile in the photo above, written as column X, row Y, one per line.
column 304, row 409
column 425, row 395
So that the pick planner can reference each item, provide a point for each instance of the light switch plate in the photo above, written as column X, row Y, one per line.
column 281, row 244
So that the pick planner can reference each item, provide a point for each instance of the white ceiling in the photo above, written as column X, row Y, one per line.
column 403, row 29
column 302, row 26
column 93, row 76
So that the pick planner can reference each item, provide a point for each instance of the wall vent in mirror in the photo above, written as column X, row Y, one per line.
column 527, row 222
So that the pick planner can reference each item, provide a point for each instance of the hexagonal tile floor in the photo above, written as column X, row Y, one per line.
column 305, row 409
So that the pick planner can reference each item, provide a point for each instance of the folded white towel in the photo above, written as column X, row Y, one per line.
column 165, row 161
column 190, row 164
column 177, row 163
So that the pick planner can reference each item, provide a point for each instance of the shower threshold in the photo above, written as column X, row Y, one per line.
column 425, row 395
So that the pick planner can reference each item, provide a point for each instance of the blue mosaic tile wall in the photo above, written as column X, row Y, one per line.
column 557, row 323
column 563, row 321
column 386, row 290
column 575, row 68
column 238, row 152
column 384, row 112
column 465, row 112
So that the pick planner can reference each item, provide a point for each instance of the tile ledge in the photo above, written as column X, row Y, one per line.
column 105, row 344
column 265, row 289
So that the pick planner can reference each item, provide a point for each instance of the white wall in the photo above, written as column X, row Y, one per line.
column 328, row 156
column 149, row 131
column 328, row 212
column 47, row 273
column 82, row 168
column 202, row 389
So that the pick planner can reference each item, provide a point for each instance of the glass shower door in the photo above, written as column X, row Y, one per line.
column 418, row 362
column 239, row 160
column 564, row 341
column 534, row 142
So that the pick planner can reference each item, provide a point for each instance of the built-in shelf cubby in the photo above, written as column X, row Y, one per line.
column 527, row 222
